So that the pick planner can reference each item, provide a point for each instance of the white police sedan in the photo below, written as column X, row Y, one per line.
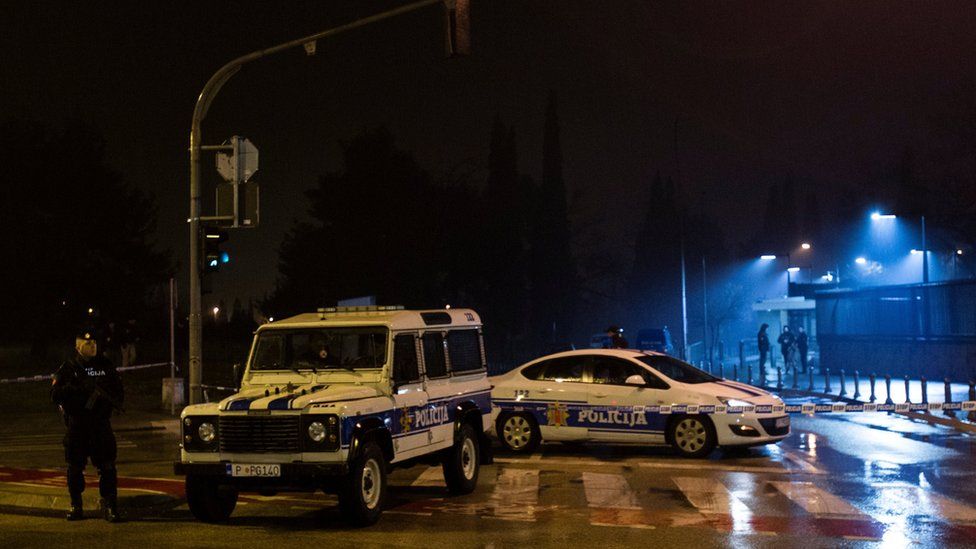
column 629, row 396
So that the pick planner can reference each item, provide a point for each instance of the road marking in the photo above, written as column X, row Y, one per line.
column 609, row 490
column 516, row 494
column 816, row 501
column 719, row 467
column 804, row 464
column 705, row 466
column 710, row 496
column 913, row 500
column 431, row 476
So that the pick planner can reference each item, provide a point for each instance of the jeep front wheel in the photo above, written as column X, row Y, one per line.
column 208, row 500
column 363, row 490
column 461, row 464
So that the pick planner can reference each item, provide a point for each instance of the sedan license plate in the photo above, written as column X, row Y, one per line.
column 253, row 470
column 783, row 421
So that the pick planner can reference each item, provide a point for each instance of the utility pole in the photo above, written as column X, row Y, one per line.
column 708, row 350
column 684, row 301
column 456, row 26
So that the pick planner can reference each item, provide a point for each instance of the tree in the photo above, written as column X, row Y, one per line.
column 379, row 227
column 553, row 276
column 80, row 235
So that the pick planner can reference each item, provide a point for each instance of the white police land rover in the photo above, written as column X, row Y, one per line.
column 333, row 400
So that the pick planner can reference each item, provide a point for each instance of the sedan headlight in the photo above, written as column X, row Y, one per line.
column 728, row 401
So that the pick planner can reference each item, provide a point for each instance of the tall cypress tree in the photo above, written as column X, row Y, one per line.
column 553, row 276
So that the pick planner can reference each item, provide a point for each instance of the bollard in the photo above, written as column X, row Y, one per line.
column 843, row 388
column 721, row 370
column 908, row 399
column 948, row 397
column 735, row 372
column 742, row 354
column 810, row 387
column 749, row 374
column 971, row 416
column 925, row 391
column 779, row 378
column 827, row 381
column 762, row 376
column 796, row 379
column 872, row 379
column 888, row 389
column 857, row 386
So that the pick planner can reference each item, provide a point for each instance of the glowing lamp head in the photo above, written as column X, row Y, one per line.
column 805, row 245
column 767, row 257
column 793, row 269
column 916, row 252
column 958, row 252
column 875, row 216
column 861, row 261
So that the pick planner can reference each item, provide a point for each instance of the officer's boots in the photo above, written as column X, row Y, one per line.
column 76, row 512
column 110, row 509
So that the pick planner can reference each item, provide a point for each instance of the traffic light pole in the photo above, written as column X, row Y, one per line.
column 199, row 112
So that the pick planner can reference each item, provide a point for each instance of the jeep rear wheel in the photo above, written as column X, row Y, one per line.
column 462, row 463
column 208, row 500
column 363, row 490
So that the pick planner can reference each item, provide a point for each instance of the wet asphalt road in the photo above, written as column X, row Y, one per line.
column 851, row 480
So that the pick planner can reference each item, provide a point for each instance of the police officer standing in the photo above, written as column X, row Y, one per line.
column 86, row 388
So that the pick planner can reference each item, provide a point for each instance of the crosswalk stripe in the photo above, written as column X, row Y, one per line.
column 516, row 494
column 710, row 496
column 914, row 499
column 609, row 490
column 431, row 476
column 815, row 500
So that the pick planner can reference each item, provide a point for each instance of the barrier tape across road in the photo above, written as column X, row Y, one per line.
column 805, row 408
column 45, row 377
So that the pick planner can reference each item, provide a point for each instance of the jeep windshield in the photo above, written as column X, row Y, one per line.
column 320, row 349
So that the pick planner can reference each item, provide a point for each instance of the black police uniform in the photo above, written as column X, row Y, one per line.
column 87, row 416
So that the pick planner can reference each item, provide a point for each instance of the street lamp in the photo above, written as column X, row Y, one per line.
column 876, row 216
column 455, row 17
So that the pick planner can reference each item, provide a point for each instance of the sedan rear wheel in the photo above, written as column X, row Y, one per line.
column 518, row 432
column 692, row 436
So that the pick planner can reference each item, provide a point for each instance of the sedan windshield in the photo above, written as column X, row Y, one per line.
column 320, row 348
column 676, row 369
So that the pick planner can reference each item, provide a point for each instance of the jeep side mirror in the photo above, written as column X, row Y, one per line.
column 636, row 379
column 238, row 374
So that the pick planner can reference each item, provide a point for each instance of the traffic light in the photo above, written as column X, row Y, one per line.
column 213, row 256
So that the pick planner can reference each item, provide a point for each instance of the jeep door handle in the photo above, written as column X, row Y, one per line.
column 598, row 395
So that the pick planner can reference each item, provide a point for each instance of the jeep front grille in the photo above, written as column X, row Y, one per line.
column 259, row 434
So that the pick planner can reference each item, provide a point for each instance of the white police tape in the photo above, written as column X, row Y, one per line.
column 45, row 377
column 808, row 408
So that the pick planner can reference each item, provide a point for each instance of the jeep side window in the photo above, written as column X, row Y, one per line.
column 405, row 369
column 434, row 358
column 465, row 350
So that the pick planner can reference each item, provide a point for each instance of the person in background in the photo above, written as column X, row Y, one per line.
column 802, row 345
column 762, row 341
column 617, row 339
column 86, row 388
column 787, row 346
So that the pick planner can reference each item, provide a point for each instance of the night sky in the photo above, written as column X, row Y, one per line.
column 830, row 92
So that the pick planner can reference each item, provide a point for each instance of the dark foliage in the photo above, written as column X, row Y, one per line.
column 75, row 234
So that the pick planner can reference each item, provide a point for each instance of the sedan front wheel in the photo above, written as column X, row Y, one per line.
column 692, row 436
column 518, row 432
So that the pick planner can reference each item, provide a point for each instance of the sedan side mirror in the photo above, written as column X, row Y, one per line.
column 636, row 380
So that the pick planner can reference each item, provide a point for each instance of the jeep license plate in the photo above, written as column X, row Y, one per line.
column 253, row 470
column 783, row 421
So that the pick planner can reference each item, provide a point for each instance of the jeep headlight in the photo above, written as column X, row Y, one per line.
column 206, row 432
column 316, row 431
